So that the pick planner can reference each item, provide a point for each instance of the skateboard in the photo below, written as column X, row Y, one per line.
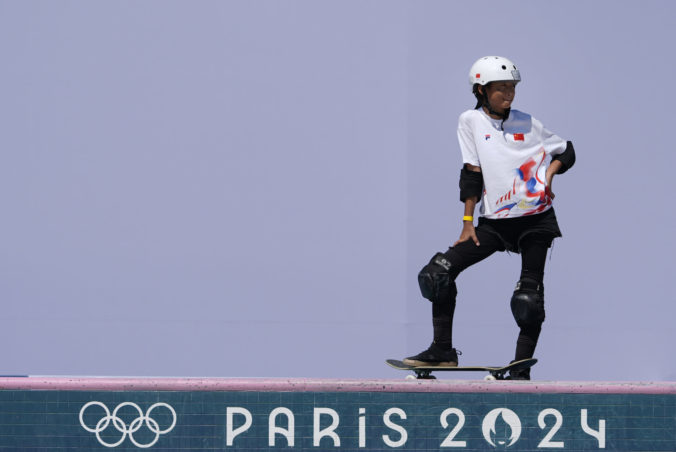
column 495, row 373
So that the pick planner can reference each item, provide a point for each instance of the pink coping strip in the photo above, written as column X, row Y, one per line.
column 328, row 385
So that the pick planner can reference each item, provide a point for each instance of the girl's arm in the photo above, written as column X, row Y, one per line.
column 560, row 164
column 468, row 231
column 553, row 169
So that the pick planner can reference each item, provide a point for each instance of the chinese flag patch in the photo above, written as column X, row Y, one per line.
column 519, row 137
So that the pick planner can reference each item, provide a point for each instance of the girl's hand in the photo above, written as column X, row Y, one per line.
column 468, row 232
column 548, row 188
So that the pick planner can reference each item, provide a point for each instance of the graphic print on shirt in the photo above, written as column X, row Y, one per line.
column 529, row 186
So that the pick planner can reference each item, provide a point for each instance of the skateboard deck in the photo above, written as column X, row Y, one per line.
column 495, row 372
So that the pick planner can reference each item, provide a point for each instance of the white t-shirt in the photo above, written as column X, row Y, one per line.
column 513, row 161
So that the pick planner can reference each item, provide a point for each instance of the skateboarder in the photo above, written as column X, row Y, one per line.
column 509, row 163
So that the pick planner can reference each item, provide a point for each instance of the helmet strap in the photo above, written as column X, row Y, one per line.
column 487, row 104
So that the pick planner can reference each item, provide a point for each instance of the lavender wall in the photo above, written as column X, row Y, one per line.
column 249, row 188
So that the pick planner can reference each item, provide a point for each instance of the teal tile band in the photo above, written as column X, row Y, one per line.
column 312, row 415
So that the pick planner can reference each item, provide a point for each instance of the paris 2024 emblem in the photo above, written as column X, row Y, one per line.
column 501, row 428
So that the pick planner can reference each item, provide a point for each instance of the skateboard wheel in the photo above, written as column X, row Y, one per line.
column 410, row 377
column 490, row 378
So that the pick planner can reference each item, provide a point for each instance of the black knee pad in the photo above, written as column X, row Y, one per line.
column 528, row 303
column 436, row 281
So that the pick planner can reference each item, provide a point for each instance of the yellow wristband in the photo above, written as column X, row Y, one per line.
column 467, row 218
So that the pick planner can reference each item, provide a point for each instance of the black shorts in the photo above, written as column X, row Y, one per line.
column 511, row 231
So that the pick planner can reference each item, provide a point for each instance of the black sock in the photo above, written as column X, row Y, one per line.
column 442, row 323
column 526, row 343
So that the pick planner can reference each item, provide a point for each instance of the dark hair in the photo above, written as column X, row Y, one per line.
column 480, row 98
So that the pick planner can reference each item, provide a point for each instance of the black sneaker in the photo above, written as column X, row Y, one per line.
column 435, row 355
column 522, row 374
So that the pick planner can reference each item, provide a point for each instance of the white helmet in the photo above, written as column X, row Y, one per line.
column 492, row 69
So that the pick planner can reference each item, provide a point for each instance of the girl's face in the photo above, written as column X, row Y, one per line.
column 500, row 95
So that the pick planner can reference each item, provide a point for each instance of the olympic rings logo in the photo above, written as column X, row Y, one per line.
column 122, row 427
